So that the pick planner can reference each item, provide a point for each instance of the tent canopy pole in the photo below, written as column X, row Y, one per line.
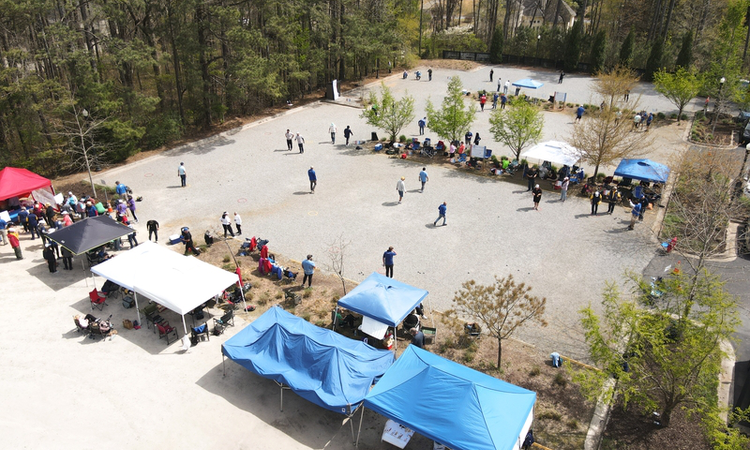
column 359, row 430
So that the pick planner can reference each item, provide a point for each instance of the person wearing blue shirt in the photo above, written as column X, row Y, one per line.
column 634, row 214
column 579, row 113
column 120, row 189
column 308, row 266
column 388, row 262
column 417, row 337
column 23, row 218
column 423, row 177
column 93, row 212
column 441, row 214
column 422, row 123
column 313, row 179
column 3, row 231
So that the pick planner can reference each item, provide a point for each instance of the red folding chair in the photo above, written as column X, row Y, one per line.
column 97, row 300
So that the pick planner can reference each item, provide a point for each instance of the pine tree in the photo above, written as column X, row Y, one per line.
column 654, row 63
column 496, row 47
column 599, row 51
column 573, row 48
column 626, row 51
column 685, row 57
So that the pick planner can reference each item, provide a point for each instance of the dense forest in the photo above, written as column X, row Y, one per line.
column 95, row 81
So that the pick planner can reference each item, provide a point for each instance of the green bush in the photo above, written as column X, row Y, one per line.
column 535, row 371
column 661, row 116
column 560, row 379
column 402, row 138
column 550, row 415
column 226, row 259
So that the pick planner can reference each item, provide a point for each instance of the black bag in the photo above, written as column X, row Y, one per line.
column 218, row 329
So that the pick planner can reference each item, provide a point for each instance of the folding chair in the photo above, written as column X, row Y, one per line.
column 97, row 300
column 165, row 331
column 199, row 332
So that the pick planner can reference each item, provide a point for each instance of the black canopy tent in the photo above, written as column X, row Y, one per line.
column 88, row 234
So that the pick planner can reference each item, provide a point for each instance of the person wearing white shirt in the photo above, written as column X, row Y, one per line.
column 289, row 136
column 300, row 143
column 238, row 223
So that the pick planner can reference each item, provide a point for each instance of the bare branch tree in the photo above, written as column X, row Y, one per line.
column 337, row 258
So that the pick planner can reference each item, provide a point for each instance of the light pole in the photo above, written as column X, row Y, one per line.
column 538, row 39
column 82, row 134
column 717, row 109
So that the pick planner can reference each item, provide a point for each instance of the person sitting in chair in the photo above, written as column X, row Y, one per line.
column 417, row 337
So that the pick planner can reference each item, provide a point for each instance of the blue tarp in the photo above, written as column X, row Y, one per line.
column 453, row 404
column 528, row 83
column 643, row 169
column 383, row 299
column 320, row 365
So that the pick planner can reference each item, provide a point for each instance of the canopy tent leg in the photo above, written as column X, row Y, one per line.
column 137, row 309
column 281, row 396
column 185, row 337
column 351, row 422
column 359, row 430
column 223, row 367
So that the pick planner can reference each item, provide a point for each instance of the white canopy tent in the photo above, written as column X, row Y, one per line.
column 180, row 283
column 554, row 151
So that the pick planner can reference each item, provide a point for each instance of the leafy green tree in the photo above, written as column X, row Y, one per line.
column 502, row 307
column 454, row 118
column 654, row 63
column 517, row 126
column 626, row 51
column 599, row 51
column 573, row 46
column 679, row 87
column 387, row 113
column 496, row 47
column 657, row 368
column 685, row 57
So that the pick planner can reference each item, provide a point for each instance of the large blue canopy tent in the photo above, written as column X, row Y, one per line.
column 643, row 170
column 452, row 404
column 319, row 365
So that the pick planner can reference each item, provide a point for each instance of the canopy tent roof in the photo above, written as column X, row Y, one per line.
column 528, row 83
column 15, row 182
column 178, row 282
column 554, row 151
column 642, row 169
column 320, row 365
column 89, row 233
column 383, row 299
column 427, row 393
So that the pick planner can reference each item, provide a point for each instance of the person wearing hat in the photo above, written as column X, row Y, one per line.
column 122, row 208
column 67, row 220
column 187, row 239
column 23, row 218
column 13, row 239
column 308, row 267
column 131, row 207
column 313, row 179
column 182, row 173
column 227, row 224
column 388, row 262
column 537, row 193
column 401, row 188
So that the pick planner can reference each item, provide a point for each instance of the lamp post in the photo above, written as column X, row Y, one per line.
column 84, row 150
column 717, row 109
column 538, row 40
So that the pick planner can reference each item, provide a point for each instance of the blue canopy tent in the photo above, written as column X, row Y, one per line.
column 643, row 169
column 528, row 83
column 384, row 300
column 319, row 365
column 452, row 404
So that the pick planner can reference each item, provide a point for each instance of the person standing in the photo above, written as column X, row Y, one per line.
column 131, row 237
column 564, row 189
column 182, row 173
column 33, row 222
column 503, row 101
column 388, row 262
column 67, row 257
column 417, row 338
column 131, row 207
column 506, row 87
column 422, row 123
column 49, row 255
column 238, row 223
column 441, row 214
column 226, row 224
column 477, row 139
column 499, row 84
column 300, row 143
column 347, row 134
column 613, row 197
column 153, row 229
column 120, row 189
column 313, row 179
column 3, row 231
column 49, row 213
column 492, row 72
column 401, row 188
column 649, row 119
column 467, row 137
column 531, row 174
column 289, row 136
column 596, row 198
column 482, row 101
column 308, row 267
column 634, row 213
column 495, row 97
column 423, row 178
column 14, row 243
column 537, row 193
column 429, row 74
column 332, row 130
column 562, row 75
column 579, row 113
column 636, row 121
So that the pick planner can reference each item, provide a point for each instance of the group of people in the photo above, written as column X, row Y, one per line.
column 640, row 118
column 300, row 140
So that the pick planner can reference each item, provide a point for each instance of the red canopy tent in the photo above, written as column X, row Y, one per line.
column 15, row 182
